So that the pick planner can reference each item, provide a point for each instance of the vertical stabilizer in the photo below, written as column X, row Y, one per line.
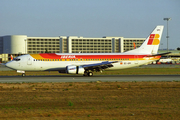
column 151, row 44
column 11, row 57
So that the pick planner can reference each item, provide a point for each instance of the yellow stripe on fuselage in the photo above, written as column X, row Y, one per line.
column 36, row 56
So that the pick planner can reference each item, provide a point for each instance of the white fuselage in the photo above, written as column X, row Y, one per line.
column 28, row 63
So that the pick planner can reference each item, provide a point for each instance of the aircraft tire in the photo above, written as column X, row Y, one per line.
column 23, row 75
column 85, row 74
column 90, row 74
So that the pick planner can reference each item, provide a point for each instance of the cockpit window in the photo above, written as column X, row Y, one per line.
column 16, row 59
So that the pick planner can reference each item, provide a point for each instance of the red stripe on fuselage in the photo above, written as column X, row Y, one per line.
column 55, row 56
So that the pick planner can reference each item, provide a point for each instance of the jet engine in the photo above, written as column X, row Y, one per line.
column 72, row 69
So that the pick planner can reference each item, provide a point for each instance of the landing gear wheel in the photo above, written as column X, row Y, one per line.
column 23, row 74
column 85, row 74
column 90, row 74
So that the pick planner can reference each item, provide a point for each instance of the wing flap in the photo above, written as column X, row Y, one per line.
column 99, row 66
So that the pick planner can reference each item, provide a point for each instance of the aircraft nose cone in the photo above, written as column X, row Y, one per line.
column 9, row 65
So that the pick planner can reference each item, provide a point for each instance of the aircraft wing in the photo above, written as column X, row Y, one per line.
column 99, row 66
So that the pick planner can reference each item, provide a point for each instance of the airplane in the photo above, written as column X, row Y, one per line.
column 165, row 60
column 87, row 63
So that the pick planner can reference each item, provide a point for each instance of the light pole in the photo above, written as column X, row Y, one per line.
column 167, row 32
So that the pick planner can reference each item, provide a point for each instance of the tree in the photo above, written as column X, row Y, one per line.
column 178, row 48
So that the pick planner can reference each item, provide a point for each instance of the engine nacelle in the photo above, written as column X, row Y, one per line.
column 72, row 69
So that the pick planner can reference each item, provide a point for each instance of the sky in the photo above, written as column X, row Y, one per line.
column 91, row 18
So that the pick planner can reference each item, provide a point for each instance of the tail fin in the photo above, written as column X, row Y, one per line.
column 11, row 57
column 134, row 45
column 151, row 44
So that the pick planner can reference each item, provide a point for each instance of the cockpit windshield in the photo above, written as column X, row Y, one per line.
column 16, row 59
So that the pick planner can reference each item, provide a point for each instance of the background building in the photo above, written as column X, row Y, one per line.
column 21, row 44
column 41, row 44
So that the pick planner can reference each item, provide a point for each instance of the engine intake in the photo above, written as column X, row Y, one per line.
column 75, row 69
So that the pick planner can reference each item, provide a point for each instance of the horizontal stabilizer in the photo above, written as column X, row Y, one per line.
column 159, row 54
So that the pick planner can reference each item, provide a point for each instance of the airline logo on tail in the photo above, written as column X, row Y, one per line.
column 153, row 39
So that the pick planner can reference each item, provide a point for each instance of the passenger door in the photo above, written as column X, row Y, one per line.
column 29, row 62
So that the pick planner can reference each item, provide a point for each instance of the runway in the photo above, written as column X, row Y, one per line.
column 76, row 78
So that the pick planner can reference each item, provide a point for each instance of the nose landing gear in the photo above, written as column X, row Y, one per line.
column 23, row 74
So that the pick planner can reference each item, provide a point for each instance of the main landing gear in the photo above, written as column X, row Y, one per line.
column 88, row 74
